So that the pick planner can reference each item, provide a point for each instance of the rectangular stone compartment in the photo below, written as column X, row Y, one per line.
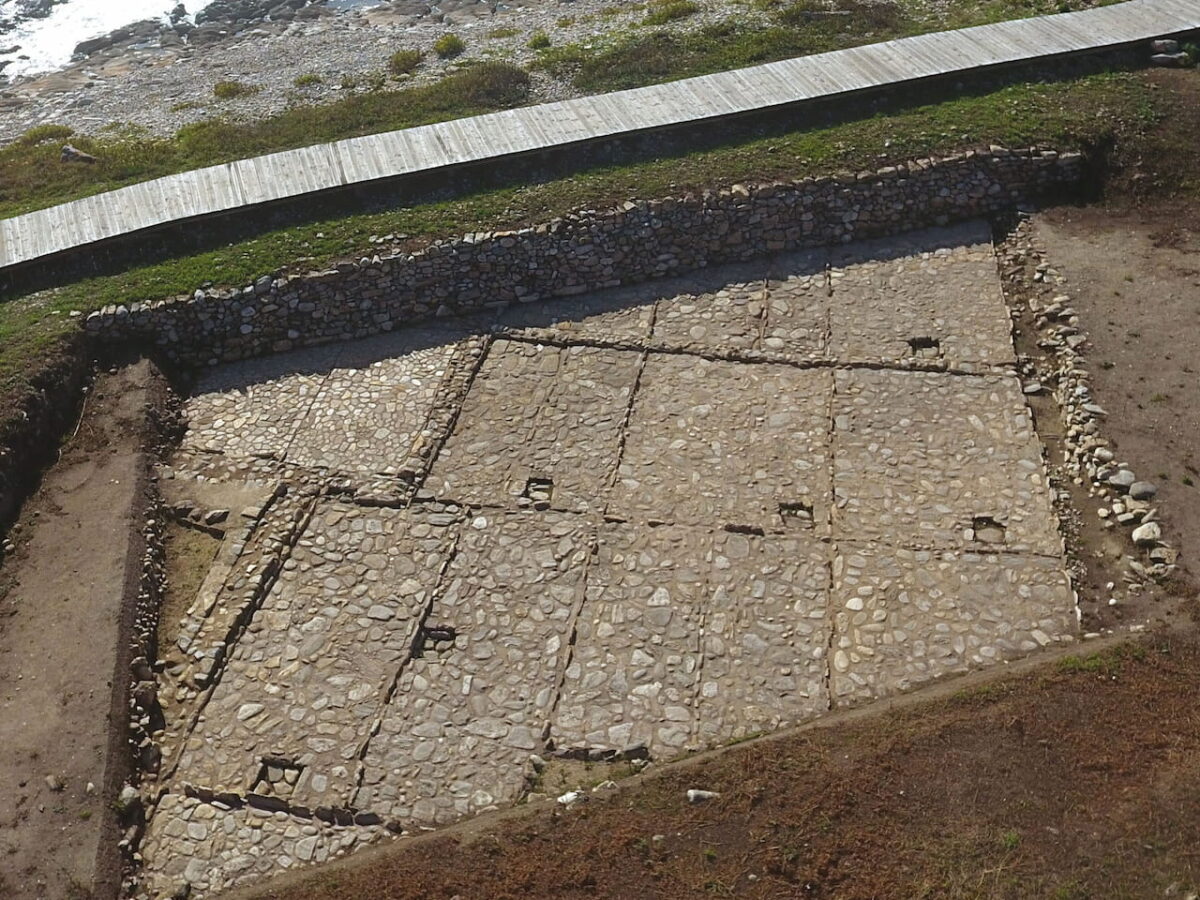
column 929, row 296
column 904, row 617
column 315, row 665
column 457, row 736
column 689, row 638
column 918, row 456
column 720, row 443
column 538, row 413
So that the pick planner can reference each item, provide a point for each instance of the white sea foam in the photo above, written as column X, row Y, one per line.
column 49, row 42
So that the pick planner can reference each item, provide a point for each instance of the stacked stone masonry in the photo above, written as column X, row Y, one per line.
column 587, row 251
column 628, row 524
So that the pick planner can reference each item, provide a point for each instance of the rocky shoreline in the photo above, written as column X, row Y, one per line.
column 158, row 78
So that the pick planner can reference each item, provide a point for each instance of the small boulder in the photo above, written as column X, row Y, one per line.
column 1142, row 490
column 1122, row 478
column 72, row 154
column 1171, row 60
column 1148, row 534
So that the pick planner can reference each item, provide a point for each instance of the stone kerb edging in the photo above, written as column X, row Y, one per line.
column 584, row 251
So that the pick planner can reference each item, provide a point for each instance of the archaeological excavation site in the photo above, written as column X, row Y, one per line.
column 614, row 528
column 651, row 474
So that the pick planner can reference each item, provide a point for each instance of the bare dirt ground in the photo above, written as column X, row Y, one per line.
column 1139, row 298
column 61, row 629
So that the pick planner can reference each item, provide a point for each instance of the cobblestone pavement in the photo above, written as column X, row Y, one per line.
column 624, row 525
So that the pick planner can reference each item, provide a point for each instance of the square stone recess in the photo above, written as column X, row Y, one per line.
column 720, row 443
column 538, row 414
column 903, row 617
column 921, row 457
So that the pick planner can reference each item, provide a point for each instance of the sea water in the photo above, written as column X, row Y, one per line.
column 49, row 42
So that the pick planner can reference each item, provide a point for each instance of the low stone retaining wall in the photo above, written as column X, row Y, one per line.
column 582, row 252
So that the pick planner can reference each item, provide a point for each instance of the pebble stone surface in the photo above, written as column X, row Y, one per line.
column 320, row 655
column 633, row 523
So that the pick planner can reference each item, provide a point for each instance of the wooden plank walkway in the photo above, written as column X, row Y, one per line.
column 293, row 173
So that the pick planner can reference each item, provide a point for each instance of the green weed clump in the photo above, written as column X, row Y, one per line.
column 402, row 62
column 449, row 46
column 41, row 134
column 307, row 79
column 539, row 41
column 227, row 90
column 663, row 11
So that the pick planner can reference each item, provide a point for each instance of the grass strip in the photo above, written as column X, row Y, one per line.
column 629, row 59
column 1066, row 115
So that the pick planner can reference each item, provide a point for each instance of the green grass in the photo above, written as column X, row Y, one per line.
column 660, row 12
column 31, row 176
column 42, row 134
column 1064, row 115
column 795, row 29
column 449, row 45
column 608, row 12
column 1105, row 663
column 227, row 90
column 538, row 41
column 505, row 32
column 307, row 79
column 402, row 62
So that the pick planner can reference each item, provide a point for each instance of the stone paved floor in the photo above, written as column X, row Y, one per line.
column 634, row 523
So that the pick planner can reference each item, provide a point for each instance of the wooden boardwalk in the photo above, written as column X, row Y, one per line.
column 293, row 173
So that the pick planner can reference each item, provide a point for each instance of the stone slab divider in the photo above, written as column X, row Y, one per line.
column 584, row 251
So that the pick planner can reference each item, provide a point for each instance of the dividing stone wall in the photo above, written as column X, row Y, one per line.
column 582, row 252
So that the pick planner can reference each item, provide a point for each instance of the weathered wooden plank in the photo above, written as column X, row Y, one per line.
column 294, row 173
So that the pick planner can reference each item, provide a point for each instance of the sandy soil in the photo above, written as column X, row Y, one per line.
column 63, row 621
column 1138, row 297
